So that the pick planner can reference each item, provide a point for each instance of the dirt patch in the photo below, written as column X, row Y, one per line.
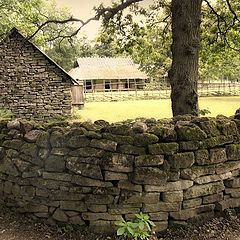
column 14, row 226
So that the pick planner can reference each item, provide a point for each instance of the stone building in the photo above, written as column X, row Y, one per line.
column 32, row 84
column 108, row 74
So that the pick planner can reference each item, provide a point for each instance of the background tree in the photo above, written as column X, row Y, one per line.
column 28, row 15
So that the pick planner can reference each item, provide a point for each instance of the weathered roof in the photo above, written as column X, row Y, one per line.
column 15, row 31
column 106, row 68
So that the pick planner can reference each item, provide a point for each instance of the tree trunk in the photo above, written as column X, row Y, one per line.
column 186, row 19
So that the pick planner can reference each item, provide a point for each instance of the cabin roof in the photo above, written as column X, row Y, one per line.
column 106, row 68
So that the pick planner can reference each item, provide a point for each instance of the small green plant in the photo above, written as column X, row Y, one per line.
column 139, row 228
column 204, row 111
column 5, row 114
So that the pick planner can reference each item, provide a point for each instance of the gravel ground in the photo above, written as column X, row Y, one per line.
column 14, row 226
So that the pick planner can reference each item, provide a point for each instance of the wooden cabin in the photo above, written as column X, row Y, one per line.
column 108, row 74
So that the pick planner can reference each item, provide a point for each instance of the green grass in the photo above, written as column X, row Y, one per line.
column 119, row 111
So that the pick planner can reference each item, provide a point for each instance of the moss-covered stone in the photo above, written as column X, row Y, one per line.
column 216, row 141
column 203, row 190
column 139, row 127
column 165, row 133
column 218, row 155
column 189, row 145
column 118, row 163
column 149, row 175
column 188, row 132
column 118, row 138
column 197, row 171
column 233, row 152
column 163, row 148
column 104, row 144
column 88, row 152
column 149, row 160
column 202, row 157
column 118, row 129
column 78, row 142
column 32, row 136
column 43, row 140
column 55, row 164
column 144, row 139
column 84, row 169
column 132, row 150
column 29, row 149
column 227, row 127
column 181, row 160
column 210, row 128
column 91, row 126
column 57, row 139
column 14, row 144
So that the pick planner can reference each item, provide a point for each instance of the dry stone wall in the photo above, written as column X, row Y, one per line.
column 93, row 174
column 30, row 84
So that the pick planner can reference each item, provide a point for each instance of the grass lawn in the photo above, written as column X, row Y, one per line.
column 118, row 111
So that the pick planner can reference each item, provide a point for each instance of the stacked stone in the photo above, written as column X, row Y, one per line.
column 30, row 84
column 95, row 174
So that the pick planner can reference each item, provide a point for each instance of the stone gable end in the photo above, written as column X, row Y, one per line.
column 31, row 85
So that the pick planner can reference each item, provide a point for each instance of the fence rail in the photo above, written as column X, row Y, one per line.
column 145, row 91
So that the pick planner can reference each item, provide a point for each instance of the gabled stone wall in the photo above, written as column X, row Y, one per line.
column 94, row 174
column 30, row 84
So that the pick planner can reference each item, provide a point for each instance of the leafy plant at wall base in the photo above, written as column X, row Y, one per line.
column 203, row 112
column 139, row 228
column 5, row 114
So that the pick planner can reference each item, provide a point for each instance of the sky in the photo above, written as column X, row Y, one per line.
column 83, row 9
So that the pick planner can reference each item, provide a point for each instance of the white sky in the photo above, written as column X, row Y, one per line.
column 83, row 9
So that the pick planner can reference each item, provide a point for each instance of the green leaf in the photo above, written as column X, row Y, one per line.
column 120, row 231
column 141, row 225
column 130, row 230
column 151, row 223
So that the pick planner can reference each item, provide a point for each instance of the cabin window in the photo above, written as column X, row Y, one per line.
column 88, row 85
column 126, row 84
column 107, row 85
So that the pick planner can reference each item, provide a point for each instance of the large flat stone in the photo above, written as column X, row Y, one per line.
column 149, row 160
column 181, row 160
column 192, row 212
column 170, row 186
column 163, row 148
column 162, row 207
column 149, row 175
column 204, row 190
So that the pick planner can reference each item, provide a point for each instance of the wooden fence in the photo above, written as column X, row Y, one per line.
column 144, row 91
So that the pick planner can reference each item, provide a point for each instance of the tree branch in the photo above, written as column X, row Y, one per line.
column 106, row 13
column 232, row 11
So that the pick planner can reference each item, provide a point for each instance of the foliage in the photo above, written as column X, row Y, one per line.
column 139, row 35
column 54, row 39
column 140, row 228
column 204, row 112
column 5, row 114
column 145, row 35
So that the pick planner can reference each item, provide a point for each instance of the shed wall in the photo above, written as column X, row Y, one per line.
column 31, row 85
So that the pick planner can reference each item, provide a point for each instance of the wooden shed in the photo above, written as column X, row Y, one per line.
column 103, row 74
column 31, row 83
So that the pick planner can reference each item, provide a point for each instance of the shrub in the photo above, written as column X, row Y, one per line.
column 4, row 114
column 139, row 228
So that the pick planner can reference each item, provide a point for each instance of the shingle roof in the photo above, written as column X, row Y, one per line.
column 15, row 31
column 106, row 68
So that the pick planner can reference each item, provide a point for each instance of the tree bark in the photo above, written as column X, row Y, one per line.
column 183, row 75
